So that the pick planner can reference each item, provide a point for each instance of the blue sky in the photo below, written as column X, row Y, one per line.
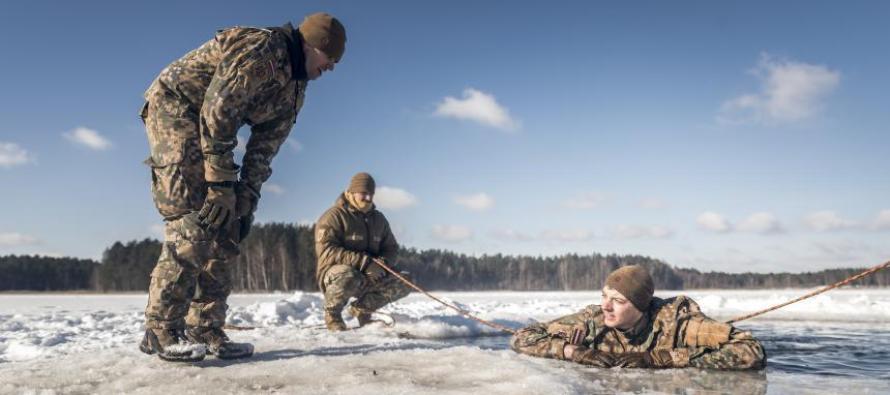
column 736, row 137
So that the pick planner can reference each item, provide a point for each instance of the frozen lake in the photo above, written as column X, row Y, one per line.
column 838, row 342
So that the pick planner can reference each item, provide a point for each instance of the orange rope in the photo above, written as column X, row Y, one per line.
column 455, row 308
column 814, row 293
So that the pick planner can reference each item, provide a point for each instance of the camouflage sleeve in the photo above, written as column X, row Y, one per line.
column 244, row 70
column 264, row 142
column 389, row 246
column 741, row 352
column 712, row 344
column 548, row 340
column 329, row 247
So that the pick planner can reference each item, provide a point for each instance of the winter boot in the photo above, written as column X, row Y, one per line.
column 218, row 343
column 363, row 316
column 333, row 319
column 171, row 345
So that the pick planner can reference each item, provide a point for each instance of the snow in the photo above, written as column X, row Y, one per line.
column 80, row 343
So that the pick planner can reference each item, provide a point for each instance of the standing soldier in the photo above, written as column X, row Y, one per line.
column 633, row 329
column 192, row 114
column 350, row 239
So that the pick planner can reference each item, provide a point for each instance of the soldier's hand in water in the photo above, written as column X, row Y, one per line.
column 595, row 358
column 652, row 359
column 373, row 271
column 219, row 205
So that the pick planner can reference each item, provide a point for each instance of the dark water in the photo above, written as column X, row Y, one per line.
column 793, row 347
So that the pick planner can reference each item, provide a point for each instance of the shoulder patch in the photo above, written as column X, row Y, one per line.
column 263, row 70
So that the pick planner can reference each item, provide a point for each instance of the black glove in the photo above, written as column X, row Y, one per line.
column 219, row 205
column 658, row 359
column 244, row 225
column 596, row 358
column 245, row 205
column 248, row 197
column 373, row 271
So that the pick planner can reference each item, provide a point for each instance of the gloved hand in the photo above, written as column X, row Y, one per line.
column 219, row 205
column 245, row 206
column 596, row 358
column 247, row 199
column 373, row 271
column 244, row 225
column 659, row 359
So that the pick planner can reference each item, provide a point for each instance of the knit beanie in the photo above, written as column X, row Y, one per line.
column 635, row 283
column 323, row 31
column 362, row 182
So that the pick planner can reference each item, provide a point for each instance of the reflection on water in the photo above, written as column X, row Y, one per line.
column 808, row 357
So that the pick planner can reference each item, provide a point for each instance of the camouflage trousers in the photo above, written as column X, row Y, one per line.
column 342, row 282
column 191, row 281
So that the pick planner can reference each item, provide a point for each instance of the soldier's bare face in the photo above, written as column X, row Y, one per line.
column 618, row 311
column 317, row 62
column 362, row 197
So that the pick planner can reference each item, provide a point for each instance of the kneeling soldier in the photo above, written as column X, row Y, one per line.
column 350, row 239
column 633, row 329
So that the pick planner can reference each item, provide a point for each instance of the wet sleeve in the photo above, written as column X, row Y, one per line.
column 741, row 352
column 548, row 340
column 329, row 246
column 264, row 142
column 232, row 93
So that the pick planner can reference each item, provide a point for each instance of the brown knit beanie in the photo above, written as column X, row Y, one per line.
column 323, row 31
column 362, row 182
column 635, row 283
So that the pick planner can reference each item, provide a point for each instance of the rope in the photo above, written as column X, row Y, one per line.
column 453, row 307
column 814, row 293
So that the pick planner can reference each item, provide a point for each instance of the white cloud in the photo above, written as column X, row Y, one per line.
column 882, row 220
column 88, row 138
column 652, row 203
column 273, row 188
column 713, row 222
column 791, row 91
column 827, row 220
column 294, row 145
column 477, row 106
column 641, row 232
column 511, row 235
column 478, row 202
column 585, row 202
column 11, row 154
column 393, row 198
column 17, row 239
column 763, row 223
column 567, row 235
column 452, row 233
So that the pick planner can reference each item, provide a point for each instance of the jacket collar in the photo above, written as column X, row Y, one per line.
column 295, row 49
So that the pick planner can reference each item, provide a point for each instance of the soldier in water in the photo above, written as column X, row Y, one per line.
column 193, row 110
column 634, row 329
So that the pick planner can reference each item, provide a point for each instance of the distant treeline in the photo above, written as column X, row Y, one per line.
column 281, row 257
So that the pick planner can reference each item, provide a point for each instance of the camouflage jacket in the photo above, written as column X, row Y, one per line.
column 242, row 76
column 674, row 324
column 345, row 235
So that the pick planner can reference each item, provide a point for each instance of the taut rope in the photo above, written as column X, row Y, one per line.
column 814, row 293
column 453, row 307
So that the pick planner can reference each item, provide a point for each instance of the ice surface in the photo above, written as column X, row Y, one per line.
column 56, row 343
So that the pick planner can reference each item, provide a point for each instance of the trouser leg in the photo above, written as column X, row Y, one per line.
column 341, row 282
column 173, row 281
column 208, row 307
column 381, row 293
